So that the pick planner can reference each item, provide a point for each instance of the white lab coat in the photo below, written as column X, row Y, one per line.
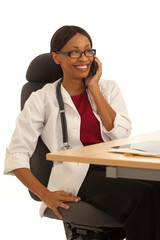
column 40, row 117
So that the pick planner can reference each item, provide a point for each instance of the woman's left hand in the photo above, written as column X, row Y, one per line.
column 93, row 80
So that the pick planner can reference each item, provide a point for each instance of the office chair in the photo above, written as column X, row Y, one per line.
column 82, row 220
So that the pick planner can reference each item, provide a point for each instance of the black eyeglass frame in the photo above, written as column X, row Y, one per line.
column 69, row 53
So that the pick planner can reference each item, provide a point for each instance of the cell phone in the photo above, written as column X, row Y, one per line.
column 93, row 70
column 94, row 67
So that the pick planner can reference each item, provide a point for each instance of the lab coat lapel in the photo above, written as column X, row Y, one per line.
column 66, row 98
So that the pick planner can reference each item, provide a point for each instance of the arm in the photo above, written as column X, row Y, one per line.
column 106, row 112
column 52, row 199
column 29, row 127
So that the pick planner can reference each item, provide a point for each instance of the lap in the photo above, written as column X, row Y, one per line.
column 115, row 194
column 96, row 181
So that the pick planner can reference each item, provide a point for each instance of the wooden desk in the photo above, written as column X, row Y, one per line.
column 117, row 165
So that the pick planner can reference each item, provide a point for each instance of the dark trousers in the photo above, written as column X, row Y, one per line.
column 135, row 203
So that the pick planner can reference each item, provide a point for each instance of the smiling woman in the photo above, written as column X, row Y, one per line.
column 100, row 115
column 76, row 62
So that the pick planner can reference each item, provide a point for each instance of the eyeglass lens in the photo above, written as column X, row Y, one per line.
column 87, row 53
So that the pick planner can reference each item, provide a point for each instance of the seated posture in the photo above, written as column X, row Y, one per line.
column 95, row 112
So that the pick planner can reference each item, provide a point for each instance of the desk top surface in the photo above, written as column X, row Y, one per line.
column 99, row 153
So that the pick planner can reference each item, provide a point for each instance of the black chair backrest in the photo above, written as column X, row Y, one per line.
column 41, row 70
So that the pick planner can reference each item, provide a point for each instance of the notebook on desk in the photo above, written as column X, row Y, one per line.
column 148, row 148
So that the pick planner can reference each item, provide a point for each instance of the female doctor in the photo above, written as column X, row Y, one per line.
column 95, row 112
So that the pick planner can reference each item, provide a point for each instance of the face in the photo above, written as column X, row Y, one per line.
column 75, row 68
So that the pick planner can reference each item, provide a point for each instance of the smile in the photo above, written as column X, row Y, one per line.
column 82, row 67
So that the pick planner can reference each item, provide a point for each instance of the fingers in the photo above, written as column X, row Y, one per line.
column 56, row 199
column 92, row 80
column 62, row 205
column 65, row 206
column 68, row 197
column 99, row 65
column 55, row 210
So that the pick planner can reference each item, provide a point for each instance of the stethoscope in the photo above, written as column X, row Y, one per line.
column 62, row 110
column 63, row 116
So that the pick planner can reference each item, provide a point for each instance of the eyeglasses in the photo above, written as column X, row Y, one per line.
column 77, row 54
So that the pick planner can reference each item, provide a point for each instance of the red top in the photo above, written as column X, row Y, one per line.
column 90, row 126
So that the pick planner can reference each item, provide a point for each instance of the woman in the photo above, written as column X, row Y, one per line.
column 95, row 112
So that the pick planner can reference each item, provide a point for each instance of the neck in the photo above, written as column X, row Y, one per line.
column 73, row 87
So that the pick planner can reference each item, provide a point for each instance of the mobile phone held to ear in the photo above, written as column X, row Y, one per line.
column 94, row 67
column 93, row 70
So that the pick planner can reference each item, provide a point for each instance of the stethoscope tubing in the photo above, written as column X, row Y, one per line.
column 62, row 115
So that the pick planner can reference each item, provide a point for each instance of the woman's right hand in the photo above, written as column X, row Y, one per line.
column 57, row 199
column 52, row 199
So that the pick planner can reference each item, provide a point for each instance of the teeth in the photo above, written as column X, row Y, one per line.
column 82, row 67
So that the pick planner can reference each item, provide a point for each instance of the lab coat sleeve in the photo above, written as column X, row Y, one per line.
column 122, row 124
column 29, row 127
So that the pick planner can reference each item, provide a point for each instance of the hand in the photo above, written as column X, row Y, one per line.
column 56, row 199
column 93, row 80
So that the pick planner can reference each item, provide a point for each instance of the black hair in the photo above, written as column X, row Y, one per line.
column 64, row 34
column 61, row 37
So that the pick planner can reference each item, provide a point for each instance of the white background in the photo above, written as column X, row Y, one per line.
column 126, row 35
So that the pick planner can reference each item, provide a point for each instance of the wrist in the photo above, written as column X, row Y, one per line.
column 44, row 193
column 93, row 88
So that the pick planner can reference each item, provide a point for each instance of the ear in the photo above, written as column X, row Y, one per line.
column 55, row 57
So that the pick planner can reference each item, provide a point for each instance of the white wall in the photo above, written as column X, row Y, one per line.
column 126, row 35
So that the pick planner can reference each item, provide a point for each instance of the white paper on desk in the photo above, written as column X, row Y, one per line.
column 148, row 148
column 132, row 151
